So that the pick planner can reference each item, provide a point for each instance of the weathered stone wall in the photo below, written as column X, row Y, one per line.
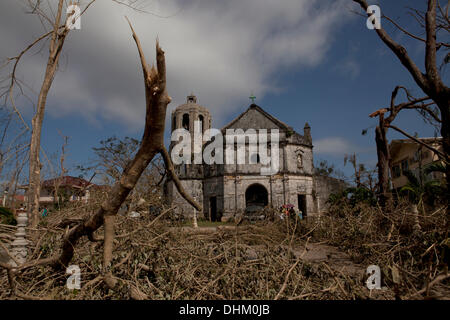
column 299, row 159
column 194, row 188
column 293, row 159
column 213, row 187
column 234, row 192
column 281, row 189
column 324, row 186
column 298, row 185
column 247, row 168
column 229, row 182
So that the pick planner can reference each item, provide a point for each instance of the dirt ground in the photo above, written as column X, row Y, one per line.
column 317, row 254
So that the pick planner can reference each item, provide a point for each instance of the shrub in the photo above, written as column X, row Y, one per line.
column 352, row 197
column 372, row 236
column 7, row 217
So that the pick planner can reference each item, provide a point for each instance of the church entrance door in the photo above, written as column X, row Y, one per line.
column 302, row 204
column 213, row 209
column 256, row 195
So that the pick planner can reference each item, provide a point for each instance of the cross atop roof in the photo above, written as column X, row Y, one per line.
column 253, row 98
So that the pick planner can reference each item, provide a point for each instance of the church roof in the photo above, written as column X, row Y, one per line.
column 291, row 134
column 253, row 106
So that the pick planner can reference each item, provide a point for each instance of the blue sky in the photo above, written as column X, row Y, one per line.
column 306, row 61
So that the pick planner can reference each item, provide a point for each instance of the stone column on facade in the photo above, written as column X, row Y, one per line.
column 202, row 123
column 271, row 198
column 191, row 131
column 285, row 165
column 198, row 148
column 285, row 189
column 179, row 119
column 191, row 121
column 235, row 195
column 207, row 122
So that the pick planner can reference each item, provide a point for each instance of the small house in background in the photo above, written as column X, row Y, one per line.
column 67, row 188
column 408, row 155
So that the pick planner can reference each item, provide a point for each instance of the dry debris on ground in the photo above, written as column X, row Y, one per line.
column 316, row 258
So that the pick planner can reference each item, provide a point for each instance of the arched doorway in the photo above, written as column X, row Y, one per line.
column 256, row 195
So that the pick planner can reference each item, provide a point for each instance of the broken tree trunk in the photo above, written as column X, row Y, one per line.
column 384, row 192
column 151, row 144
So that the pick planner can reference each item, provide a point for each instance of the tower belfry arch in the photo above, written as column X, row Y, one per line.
column 185, row 115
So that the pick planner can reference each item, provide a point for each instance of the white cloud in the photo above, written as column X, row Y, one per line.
column 220, row 50
column 336, row 146
column 349, row 68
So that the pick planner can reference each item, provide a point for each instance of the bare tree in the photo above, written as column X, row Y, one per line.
column 57, row 37
column 59, row 30
column 435, row 21
column 113, row 156
column 152, row 143
column 386, row 116
column 13, row 142
column 357, row 167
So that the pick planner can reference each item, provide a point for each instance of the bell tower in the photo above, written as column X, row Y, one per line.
column 192, row 117
column 185, row 115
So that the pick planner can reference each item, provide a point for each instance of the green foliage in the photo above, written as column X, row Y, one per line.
column 324, row 169
column 428, row 192
column 352, row 197
column 7, row 217
column 435, row 167
column 62, row 199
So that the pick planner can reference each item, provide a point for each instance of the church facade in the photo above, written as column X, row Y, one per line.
column 226, row 190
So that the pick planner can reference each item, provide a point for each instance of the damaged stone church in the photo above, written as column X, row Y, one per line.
column 226, row 190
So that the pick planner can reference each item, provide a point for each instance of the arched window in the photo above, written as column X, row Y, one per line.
column 185, row 122
column 200, row 118
column 173, row 123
